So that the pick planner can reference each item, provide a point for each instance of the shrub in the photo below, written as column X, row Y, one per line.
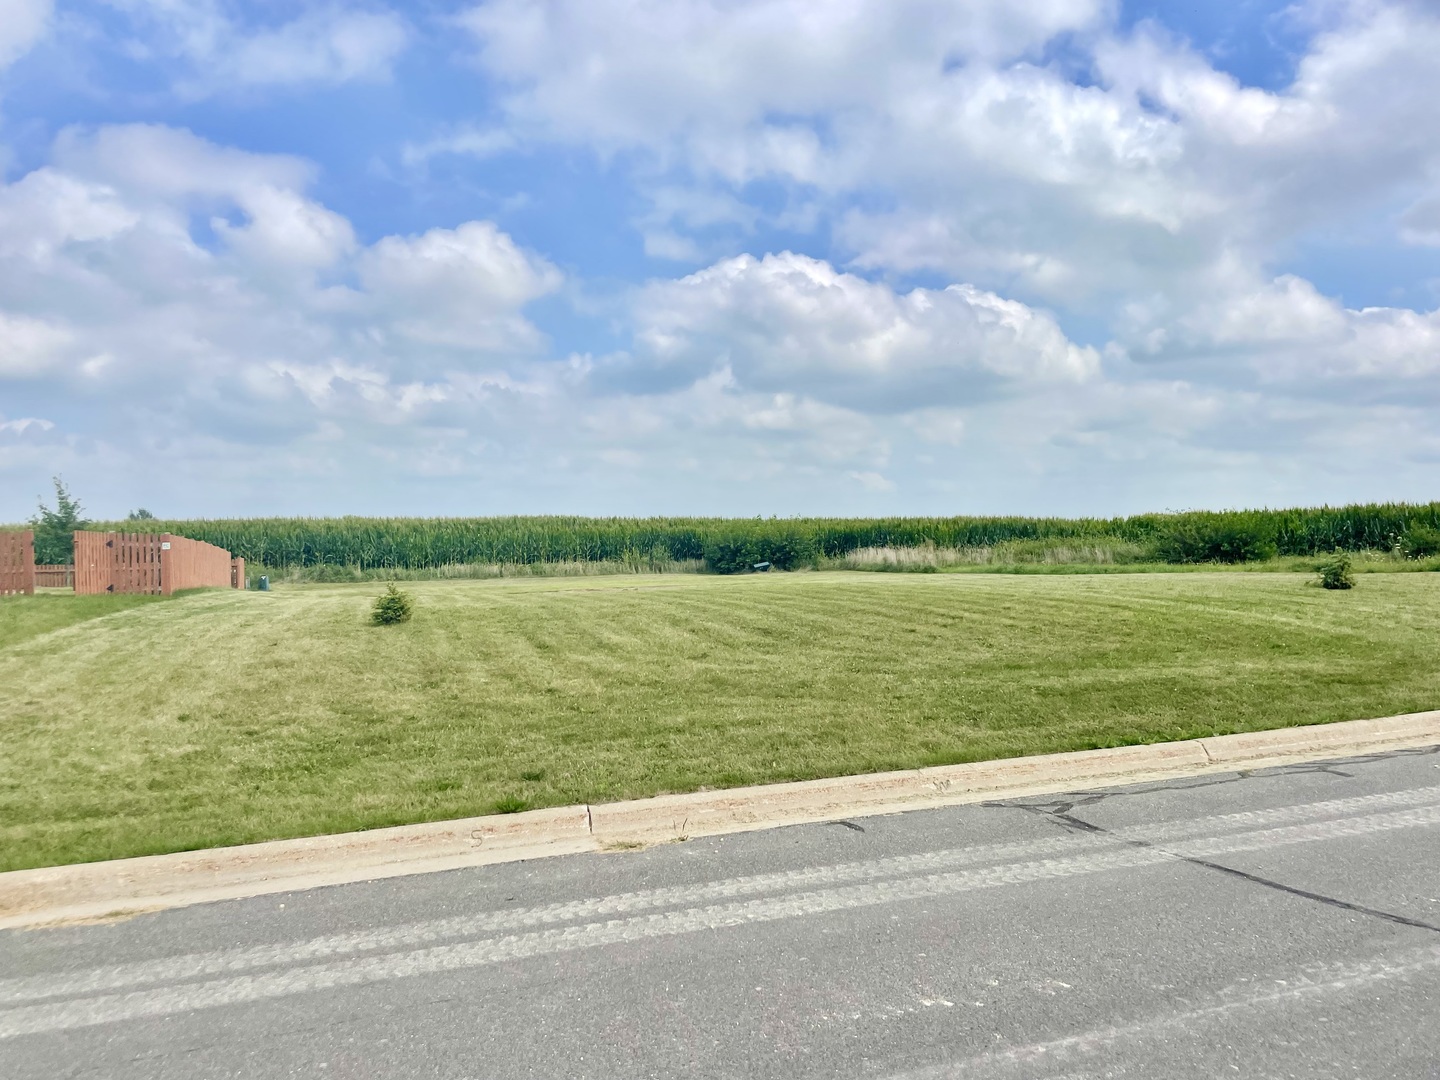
column 1336, row 572
column 738, row 551
column 1202, row 539
column 1420, row 543
column 393, row 607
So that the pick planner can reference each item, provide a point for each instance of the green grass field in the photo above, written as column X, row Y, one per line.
column 132, row 726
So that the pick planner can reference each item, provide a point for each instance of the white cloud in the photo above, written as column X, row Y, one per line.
column 633, row 71
column 969, row 154
column 157, row 162
column 219, row 50
column 790, row 322
column 461, row 287
column 29, row 346
column 326, row 46
column 161, row 294
column 871, row 480
column 24, row 22
column 26, row 423
column 713, row 423
column 1286, row 329
column 109, row 281
column 467, row 141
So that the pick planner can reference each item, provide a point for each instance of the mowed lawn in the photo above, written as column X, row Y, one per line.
column 220, row 717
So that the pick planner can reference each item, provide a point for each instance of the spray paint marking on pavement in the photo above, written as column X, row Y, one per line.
column 1115, row 851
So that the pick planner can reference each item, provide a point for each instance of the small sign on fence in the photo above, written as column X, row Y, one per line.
column 155, row 563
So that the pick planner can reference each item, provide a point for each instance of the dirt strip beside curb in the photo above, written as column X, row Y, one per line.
column 90, row 891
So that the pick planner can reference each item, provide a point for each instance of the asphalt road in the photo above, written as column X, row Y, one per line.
column 1284, row 923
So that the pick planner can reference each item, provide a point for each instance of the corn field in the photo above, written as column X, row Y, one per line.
column 729, row 544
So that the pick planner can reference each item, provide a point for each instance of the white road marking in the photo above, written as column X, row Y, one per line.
column 107, row 1008
column 417, row 935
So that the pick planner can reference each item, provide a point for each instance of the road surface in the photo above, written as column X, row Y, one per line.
column 1284, row 923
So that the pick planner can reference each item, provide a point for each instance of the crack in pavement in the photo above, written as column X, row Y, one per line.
column 1063, row 812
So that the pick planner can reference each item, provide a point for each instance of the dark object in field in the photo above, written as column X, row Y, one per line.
column 1336, row 572
column 264, row 583
column 761, row 567
column 393, row 607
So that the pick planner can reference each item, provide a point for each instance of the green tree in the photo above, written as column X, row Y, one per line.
column 54, row 529
column 140, row 515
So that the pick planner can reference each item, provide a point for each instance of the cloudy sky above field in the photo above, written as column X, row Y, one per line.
column 718, row 256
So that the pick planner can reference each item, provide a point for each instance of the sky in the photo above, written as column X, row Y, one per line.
column 731, row 257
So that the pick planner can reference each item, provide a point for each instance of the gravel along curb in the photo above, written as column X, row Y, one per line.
column 96, row 891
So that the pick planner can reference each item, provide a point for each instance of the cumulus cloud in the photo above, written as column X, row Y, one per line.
column 1047, row 176
column 195, row 304
column 462, row 287
column 969, row 152
column 1285, row 329
column 146, row 254
column 640, row 70
column 791, row 322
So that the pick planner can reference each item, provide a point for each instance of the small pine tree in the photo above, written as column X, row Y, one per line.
column 55, row 529
column 393, row 607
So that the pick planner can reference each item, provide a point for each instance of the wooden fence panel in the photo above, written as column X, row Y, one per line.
column 54, row 576
column 17, row 563
column 149, row 563
column 92, row 563
column 193, row 564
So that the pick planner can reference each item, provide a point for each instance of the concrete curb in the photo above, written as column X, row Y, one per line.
column 95, row 891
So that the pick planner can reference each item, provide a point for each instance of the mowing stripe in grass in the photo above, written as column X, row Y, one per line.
column 216, row 720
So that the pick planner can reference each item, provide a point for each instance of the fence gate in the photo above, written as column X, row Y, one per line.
column 17, row 563
column 117, row 563
column 148, row 563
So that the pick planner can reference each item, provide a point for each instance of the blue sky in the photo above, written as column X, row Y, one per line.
column 718, row 256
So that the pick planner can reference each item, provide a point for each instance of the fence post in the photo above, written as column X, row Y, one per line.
column 237, row 573
column 167, row 565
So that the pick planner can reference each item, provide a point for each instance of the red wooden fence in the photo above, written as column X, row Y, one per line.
column 148, row 563
column 17, row 562
column 54, row 575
